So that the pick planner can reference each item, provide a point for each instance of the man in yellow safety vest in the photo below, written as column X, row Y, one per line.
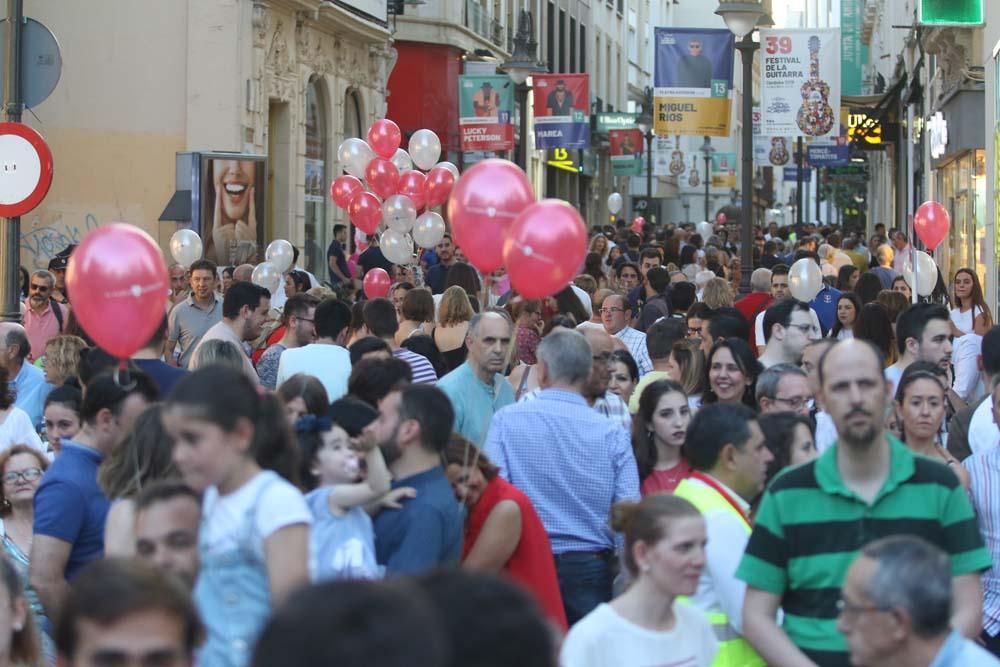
column 725, row 447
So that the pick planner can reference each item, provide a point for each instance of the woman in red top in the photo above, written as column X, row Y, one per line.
column 502, row 530
column 658, row 432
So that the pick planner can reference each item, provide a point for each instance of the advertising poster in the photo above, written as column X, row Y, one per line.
column 853, row 52
column 769, row 151
column 627, row 149
column 693, row 81
column 724, row 170
column 800, row 82
column 485, row 110
column 693, row 175
column 562, row 110
column 232, row 209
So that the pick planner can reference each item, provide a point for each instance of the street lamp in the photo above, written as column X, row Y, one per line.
column 742, row 17
column 645, row 125
column 522, row 64
column 706, row 151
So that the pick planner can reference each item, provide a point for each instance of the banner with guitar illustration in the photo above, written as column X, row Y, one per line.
column 562, row 110
column 626, row 152
column 485, row 106
column 693, row 81
column 769, row 151
column 800, row 82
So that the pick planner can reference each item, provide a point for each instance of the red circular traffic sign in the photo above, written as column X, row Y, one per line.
column 25, row 169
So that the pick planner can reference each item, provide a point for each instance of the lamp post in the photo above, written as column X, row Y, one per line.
column 706, row 151
column 742, row 17
column 645, row 125
column 522, row 64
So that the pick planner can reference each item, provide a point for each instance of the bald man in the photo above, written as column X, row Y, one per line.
column 243, row 273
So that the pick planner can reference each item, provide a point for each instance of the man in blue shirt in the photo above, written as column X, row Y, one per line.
column 30, row 386
column 573, row 463
column 476, row 388
column 70, row 508
column 412, row 429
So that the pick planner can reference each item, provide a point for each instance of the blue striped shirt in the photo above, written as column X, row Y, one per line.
column 572, row 462
column 984, row 491
column 423, row 372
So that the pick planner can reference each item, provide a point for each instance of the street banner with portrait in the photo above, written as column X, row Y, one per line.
column 562, row 110
column 723, row 170
column 232, row 191
column 800, row 82
column 485, row 111
column 693, row 81
column 626, row 152
column 769, row 151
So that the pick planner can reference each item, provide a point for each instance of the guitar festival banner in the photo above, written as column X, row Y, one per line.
column 626, row 151
column 485, row 105
column 769, row 151
column 800, row 82
column 693, row 81
column 562, row 110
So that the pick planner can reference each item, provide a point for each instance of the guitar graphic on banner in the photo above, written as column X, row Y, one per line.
column 779, row 152
column 693, row 179
column 815, row 116
column 677, row 159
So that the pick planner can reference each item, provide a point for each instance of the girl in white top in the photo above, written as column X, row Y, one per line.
column 971, row 314
column 665, row 554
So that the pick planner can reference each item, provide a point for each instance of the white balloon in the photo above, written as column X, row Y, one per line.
column 399, row 213
column 705, row 229
column 280, row 254
column 614, row 203
column 425, row 148
column 267, row 276
column 450, row 166
column 186, row 247
column 927, row 273
column 396, row 246
column 805, row 279
column 402, row 160
column 428, row 230
column 354, row 155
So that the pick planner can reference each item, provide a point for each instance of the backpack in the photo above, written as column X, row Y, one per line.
column 57, row 311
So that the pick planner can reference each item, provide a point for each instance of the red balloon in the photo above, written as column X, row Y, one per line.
column 438, row 186
column 119, row 283
column 384, row 137
column 638, row 223
column 720, row 218
column 382, row 176
column 377, row 283
column 544, row 248
column 931, row 223
column 343, row 189
column 365, row 211
column 411, row 184
column 483, row 206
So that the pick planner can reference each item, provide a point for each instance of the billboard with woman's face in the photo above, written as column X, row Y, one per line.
column 232, row 207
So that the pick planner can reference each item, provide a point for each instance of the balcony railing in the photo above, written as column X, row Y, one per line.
column 478, row 20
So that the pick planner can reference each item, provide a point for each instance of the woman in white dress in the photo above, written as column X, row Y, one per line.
column 970, row 314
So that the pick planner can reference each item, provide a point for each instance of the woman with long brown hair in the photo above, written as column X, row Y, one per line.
column 970, row 314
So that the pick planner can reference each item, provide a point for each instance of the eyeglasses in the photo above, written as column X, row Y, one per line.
column 850, row 609
column 694, row 331
column 40, row 288
column 795, row 403
column 804, row 328
column 28, row 475
column 602, row 358
column 611, row 310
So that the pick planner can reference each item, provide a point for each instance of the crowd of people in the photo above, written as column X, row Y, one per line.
column 667, row 462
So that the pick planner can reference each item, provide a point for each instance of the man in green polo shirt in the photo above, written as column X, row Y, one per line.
column 814, row 520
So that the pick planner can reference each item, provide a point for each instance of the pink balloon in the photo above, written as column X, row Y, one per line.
column 365, row 211
column 931, row 223
column 119, row 283
column 382, row 176
column 544, row 248
column 483, row 206
column 411, row 184
column 343, row 189
column 384, row 137
column 638, row 223
column 377, row 283
column 438, row 186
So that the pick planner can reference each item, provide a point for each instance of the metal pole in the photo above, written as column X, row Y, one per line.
column 11, row 227
column 747, row 46
column 708, row 175
column 522, row 149
column 800, row 201
column 818, row 184
column 649, row 171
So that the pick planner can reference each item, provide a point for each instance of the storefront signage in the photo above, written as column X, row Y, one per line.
column 693, row 81
column 937, row 132
column 951, row 12
column 862, row 130
column 800, row 82
column 615, row 121
column 565, row 159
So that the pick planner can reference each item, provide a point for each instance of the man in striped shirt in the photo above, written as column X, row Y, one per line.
column 815, row 518
column 381, row 322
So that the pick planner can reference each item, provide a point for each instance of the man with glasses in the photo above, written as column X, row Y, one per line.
column 788, row 328
column 43, row 318
column 814, row 518
column 298, row 318
column 784, row 388
column 895, row 608
column 615, row 315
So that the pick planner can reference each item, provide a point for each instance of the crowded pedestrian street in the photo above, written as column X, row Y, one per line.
column 522, row 333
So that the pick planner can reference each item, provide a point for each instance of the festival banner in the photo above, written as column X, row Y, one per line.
column 723, row 170
column 562, row 110
column 769, row 151
column 800, row 83
column 486, row 106
column 693, row 81
column 853, row 52
column 626, row 152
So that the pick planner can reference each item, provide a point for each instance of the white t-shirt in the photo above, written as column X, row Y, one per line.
column 968, row 382
column 893, row 374
column 604, row 639
column 278, row 505
column 983, row 431
column 758, row 325
column 826, row 431
column 17, row 429
column 330, row 364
